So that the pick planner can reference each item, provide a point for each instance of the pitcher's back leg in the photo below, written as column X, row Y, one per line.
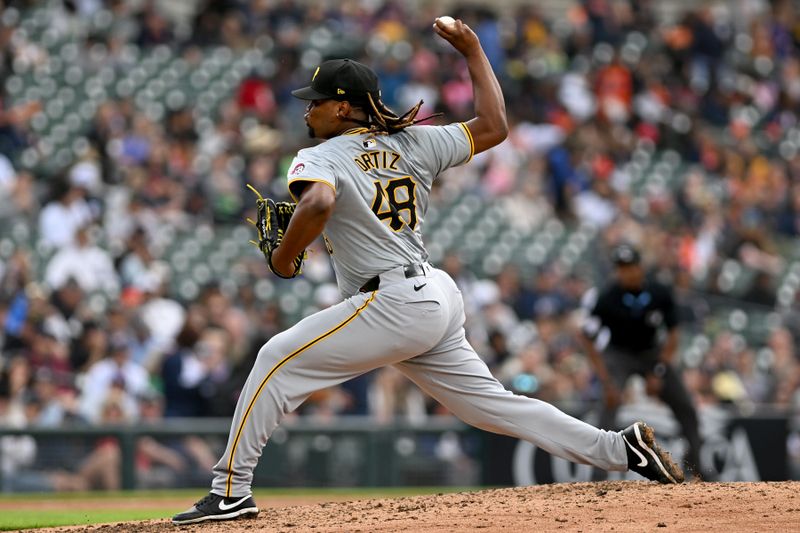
column 461, row 381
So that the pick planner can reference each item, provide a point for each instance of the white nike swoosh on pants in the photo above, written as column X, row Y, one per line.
column 223, row 507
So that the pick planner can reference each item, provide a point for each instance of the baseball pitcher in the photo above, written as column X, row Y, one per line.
column 365, row 189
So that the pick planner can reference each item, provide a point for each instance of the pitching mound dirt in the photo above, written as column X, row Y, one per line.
column 607, row 506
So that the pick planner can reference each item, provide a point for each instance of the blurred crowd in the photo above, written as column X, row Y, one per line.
column 594, row 97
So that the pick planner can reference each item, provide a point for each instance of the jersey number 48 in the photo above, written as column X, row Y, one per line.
column 390, row 201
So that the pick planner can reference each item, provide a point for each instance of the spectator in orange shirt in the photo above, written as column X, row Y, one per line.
column 614, row 90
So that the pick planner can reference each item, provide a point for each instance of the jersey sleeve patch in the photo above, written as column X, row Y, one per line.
column 306, row 167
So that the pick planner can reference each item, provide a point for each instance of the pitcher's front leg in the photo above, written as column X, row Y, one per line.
column 318, row 352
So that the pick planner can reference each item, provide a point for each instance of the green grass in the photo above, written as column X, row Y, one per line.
column 12, row 519
column 365, row 492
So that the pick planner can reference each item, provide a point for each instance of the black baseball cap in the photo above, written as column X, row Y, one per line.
column 341, row 79
column 625, row 254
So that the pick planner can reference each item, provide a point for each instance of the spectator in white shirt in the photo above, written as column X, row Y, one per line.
column 137, row 266
column 162, row 316
column 89, row 265
column 117, row 375
column 61, row 218
column 596, row 205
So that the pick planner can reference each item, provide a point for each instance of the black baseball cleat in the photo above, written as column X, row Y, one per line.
column 214, row 507
column 646, row 458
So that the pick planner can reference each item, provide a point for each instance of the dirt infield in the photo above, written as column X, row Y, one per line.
column 608, row 506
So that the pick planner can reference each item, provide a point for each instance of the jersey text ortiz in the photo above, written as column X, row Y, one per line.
column 382, row 185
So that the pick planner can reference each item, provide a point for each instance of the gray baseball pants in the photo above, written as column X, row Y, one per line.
column 415, row 324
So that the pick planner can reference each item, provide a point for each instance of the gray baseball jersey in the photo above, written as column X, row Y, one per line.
column 382, row 185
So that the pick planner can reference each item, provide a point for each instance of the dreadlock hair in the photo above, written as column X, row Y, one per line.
column 384, row 120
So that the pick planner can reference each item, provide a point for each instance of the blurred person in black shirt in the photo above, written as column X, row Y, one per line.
column 635, row 318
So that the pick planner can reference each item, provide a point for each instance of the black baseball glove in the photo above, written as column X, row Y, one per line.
column 271, row 223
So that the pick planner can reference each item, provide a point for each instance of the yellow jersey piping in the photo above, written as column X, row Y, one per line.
column 326, row 182
column 471, row 141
